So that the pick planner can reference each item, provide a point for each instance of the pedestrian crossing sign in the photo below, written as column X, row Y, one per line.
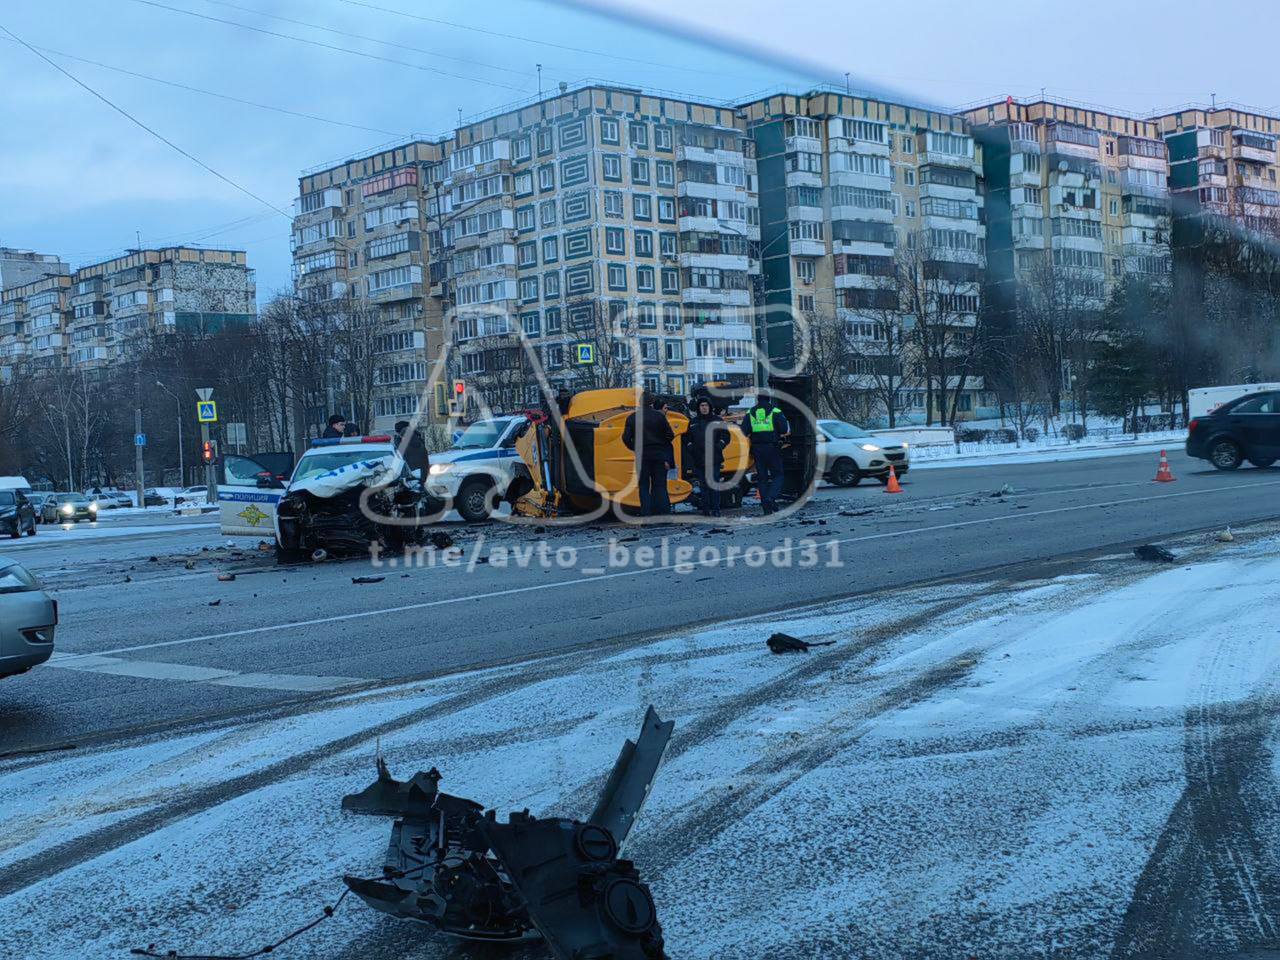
column 207, row 411
column 584, row 353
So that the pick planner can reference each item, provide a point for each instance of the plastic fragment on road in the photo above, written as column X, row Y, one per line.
column 367, row 579
column 454, row 867
column 1154, row 553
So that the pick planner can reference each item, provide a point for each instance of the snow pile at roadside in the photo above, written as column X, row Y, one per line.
column 1043, row 450
column 987, row 769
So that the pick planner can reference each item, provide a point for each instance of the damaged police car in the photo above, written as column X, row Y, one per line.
column 347, row 494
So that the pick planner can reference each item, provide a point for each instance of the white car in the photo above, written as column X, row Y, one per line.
column 847, row 454
column 478, row 470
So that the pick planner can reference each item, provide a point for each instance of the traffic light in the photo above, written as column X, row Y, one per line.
column 207, row 451
column 459, row 388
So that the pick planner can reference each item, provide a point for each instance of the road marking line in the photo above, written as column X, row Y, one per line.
column 560, row 584
column 189, row 673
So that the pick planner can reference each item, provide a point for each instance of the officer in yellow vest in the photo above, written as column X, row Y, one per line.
column 765, row 426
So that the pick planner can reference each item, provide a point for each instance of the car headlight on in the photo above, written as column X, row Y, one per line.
column 870, row 447
column 439, row 468
column 905, row 445
column 68, row 508
column 93, row 508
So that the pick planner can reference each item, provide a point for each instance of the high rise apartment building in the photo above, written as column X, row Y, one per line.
column 600, row 217
column 92, row 316
column 853, row 192
column 20, row 267
column 1074, row 193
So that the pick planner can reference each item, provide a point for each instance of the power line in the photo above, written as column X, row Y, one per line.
column 155, row 133
column 220, row 96
column 357, row 36
column 608, row 55
column 327, row 46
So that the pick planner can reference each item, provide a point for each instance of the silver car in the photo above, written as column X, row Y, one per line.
column 28, row 617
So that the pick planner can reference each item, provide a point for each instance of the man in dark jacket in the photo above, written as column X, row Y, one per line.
column 412, row 449
column 649, row 434
column 705, row 441
column 765, row 426
column 337, row 427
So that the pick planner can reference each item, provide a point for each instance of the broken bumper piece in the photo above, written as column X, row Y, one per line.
column 454, row 867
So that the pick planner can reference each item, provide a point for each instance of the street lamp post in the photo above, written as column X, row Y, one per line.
column 182, row 473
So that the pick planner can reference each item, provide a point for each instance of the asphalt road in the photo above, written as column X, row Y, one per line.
column 151, row 638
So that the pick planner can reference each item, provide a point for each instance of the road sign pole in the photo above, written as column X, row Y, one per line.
column 138, row 477
column 210, row 470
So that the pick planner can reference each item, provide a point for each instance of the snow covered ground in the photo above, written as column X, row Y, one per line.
column 1043, row 450
column 1079, row 766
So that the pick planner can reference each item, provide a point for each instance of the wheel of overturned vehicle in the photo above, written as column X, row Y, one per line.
column 845, row 473
column 1262, row 462
column 1226, row 454
column 594, row 842
column 477, row 500
column 628, row 906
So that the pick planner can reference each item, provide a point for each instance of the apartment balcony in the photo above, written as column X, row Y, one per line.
column 1091, row 244
column 1029, row 241
column 1131, row 161
column 330, row 200
column 710, row 191
column 1025, row 178
column 865, row 214
column 1213, row 179
column 803, row 178
column 946, row 191
column 718, row 261
column 934, row 158
column 1143, row 190
column 934, row 222
column 808, row 248
column 735, row 228
column 717, row 296
column 861, row 281
column 864, row 248
column 1254, row 154
column 718, row 366
column 802, row 145
column 404, row 291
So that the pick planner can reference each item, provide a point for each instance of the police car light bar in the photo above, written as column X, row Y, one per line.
column 335, row 441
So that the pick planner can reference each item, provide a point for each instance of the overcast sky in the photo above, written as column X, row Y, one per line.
column 78, row 179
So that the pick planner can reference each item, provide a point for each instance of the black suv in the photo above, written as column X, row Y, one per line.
column 17, row 516
column 1244, row 429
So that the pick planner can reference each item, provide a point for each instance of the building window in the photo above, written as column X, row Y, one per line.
column 546, row 177
column 550, row 249
column 674, row 351
column 666, row 209
column 615, row 241
column 910, row 208
column 527, row 254
column 640, row 171
column 528, row 289
column 670, row 280
column 613, row 203
column 908, row 177
column 671, row 319
column 548, row 212
column 520, row 149
column 642, row 206
column 611, row 167
column 662, row 138
column 551, row 285
column 805, row 271
column 646, row 316
column 524, row 184
column 644, row 280
column 553, row 354
column 648, row 350
column 552, row 318
column 667, row 244
column 545, row 141
column 639, row 133
column 529, row 324
column 525, row 219
column 617, row 276
column 666, row 173
column 609, row 132
column 908, row 145
column 644, row 243
column 805, row 303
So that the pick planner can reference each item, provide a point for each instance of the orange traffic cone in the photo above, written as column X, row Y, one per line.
column 1163, row 473
column 894, row 487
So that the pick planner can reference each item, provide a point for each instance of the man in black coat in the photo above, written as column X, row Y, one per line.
column 337, row 427
column 649, row 434
column 705, row 441
column 412, row 449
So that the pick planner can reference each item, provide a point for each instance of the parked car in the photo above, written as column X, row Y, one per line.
column 17, row 516
column 68, row 508
column 847, row 454
column 28, row 617
column 38, row 500
column 109, row 499
column 198, row 494
column 1247, row 428
column 158, row 496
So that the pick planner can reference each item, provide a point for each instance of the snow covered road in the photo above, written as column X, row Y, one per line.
column 1080, row 766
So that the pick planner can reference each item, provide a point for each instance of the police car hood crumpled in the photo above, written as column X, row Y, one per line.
column 374, row 472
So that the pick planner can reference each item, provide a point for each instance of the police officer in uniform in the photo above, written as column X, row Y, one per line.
column 765, row 426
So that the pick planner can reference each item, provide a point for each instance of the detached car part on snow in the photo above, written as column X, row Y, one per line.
column 454, row 867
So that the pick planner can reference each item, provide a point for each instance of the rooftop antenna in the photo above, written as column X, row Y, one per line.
column 459, row 116
column 846, row 83
column 539, row 81
column 1213, row 101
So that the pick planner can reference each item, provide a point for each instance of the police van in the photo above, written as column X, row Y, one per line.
column 475, row 474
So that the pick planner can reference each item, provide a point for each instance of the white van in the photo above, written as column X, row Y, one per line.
column 16, row 483
column 1202, row 401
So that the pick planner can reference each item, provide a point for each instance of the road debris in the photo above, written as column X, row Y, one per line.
column 453, row 866
column 1154, row 553
column 856, row 513
column 226, row 577
column 1004, row 491
column 440, row 540
column 785, row 643
column 1225, row 536
column 214, row 603
column 367, row 579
